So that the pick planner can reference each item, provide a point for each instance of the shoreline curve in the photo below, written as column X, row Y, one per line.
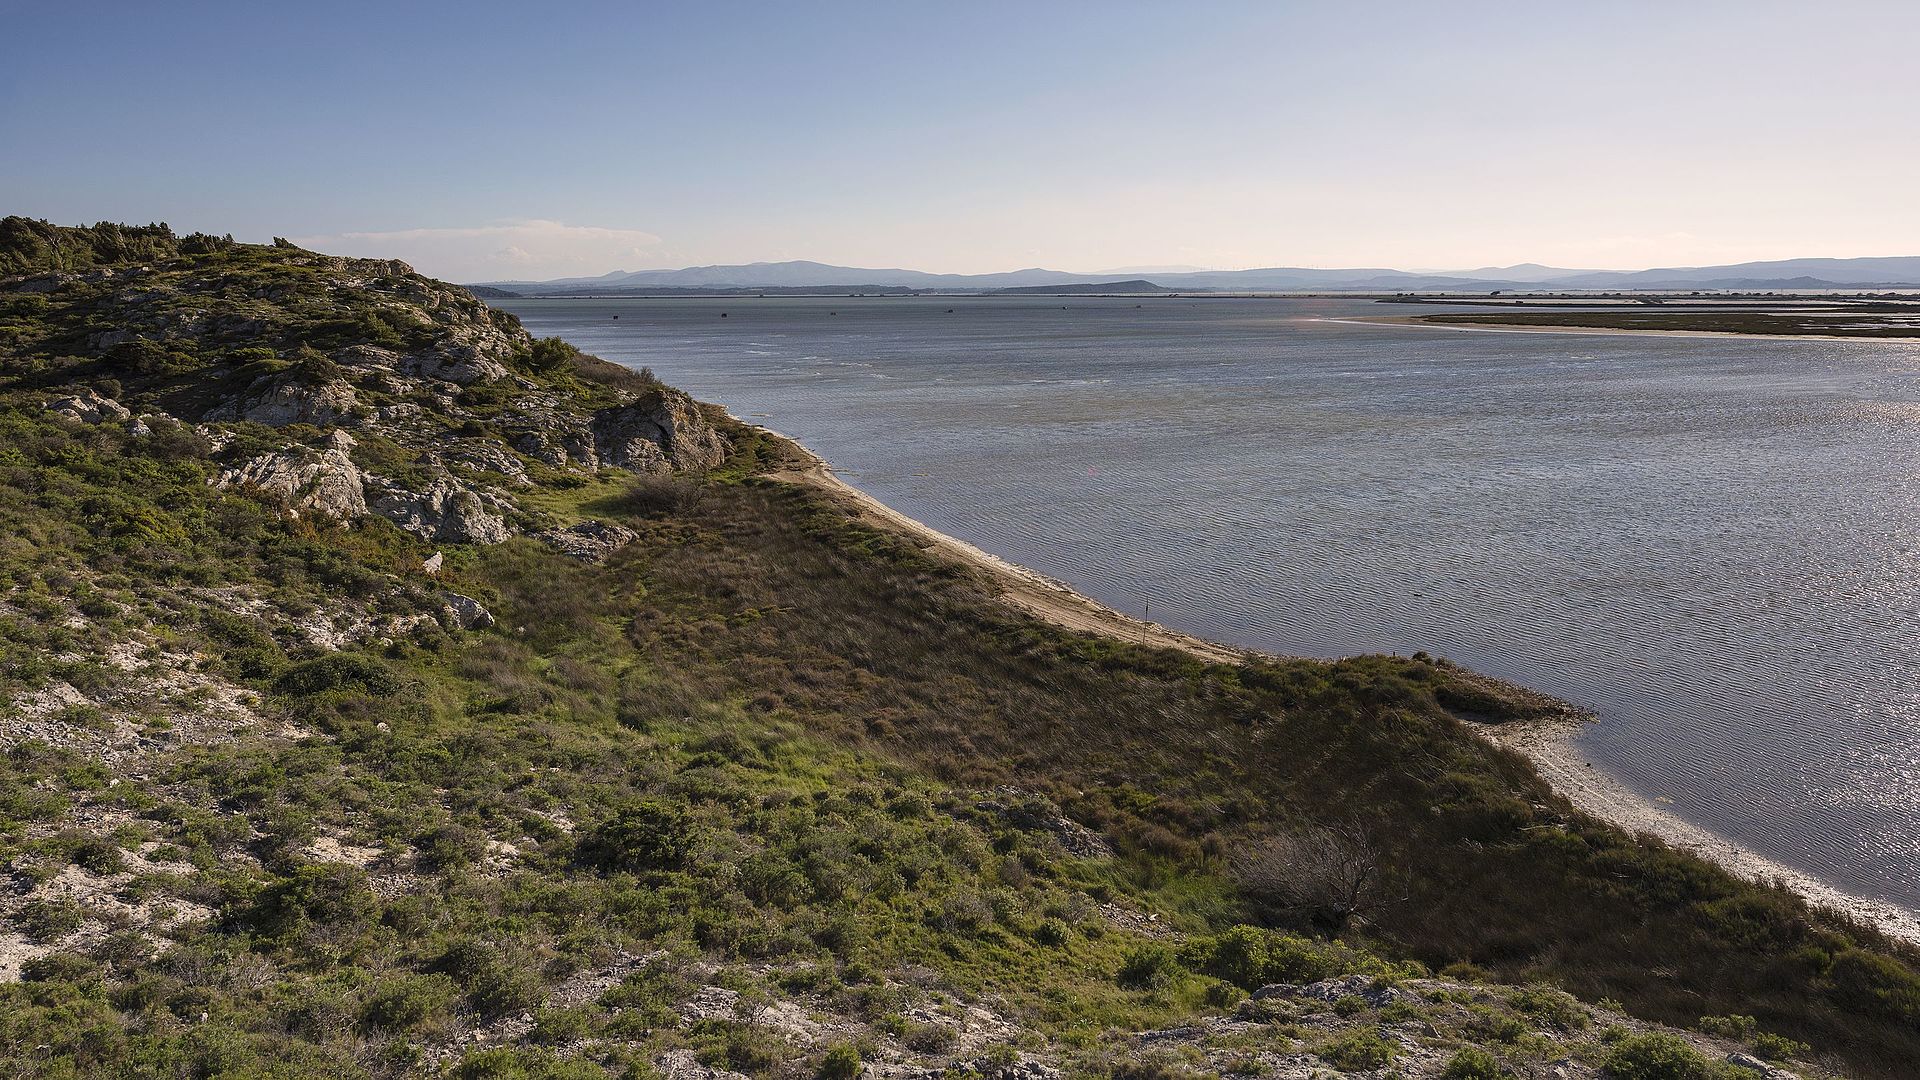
column 1548, row 745
column 1035, row 593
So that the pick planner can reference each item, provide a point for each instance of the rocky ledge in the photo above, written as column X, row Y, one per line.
column 435, row 424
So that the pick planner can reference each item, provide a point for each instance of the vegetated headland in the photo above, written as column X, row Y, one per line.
column 1792, row 316
column 387, row 693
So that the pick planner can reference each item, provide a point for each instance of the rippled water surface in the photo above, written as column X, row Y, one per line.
column 1714, row 543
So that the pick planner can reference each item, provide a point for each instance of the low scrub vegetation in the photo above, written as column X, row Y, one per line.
column 763, row 755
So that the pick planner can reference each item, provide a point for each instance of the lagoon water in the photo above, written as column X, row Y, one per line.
column 1712, row 543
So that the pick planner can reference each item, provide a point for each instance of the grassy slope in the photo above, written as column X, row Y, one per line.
column 786, row 713
column 1187, row 761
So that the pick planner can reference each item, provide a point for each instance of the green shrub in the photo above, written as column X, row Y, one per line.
column 841, row 1062
column 1729, row 1027
column 741, row 1047
column 1549, row 1006
column 1360, row 1048
column 326, row 894
column 338, row 671
column 1864, row 980
column 1472, row 1063
column 1495, row 1025
column 1224, row 995
column 1052, row 933
column 495, row 982
column 1778, row 1047
column 641, row 836
column 1659, row 1055
column 1147, row 967
column 96, row 854
column 46, row 920
column 404, row 1002
column 1250, row 957
column 557, row 1027
column 929, row 1038
column 508, row 1064
column 551, row 355
column 59, row 967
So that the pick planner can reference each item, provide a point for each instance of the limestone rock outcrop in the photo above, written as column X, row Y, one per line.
column 277, row 400
column 465, row 612
column 661, row 429
column 464, row 363
column 453, row 416
column 589, row 541
column 90, row 407
column 326, row 481
column 446, row 510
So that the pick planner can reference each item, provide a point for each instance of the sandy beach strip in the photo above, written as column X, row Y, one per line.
column 1050, row 600
column 1547, row 744
column 1550, row 746
column 1419, row 321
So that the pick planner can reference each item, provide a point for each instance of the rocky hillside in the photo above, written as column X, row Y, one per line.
column 388, row 394
column 386, row 693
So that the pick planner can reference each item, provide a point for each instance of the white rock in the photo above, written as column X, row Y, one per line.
column 89, row 407
column 322, row 480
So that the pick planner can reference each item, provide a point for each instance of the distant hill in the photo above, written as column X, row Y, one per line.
column 792, row 275
column 614, row 291
column 1137, row 285
column 758, row 276
column 1518, row 272
column 1900, row 272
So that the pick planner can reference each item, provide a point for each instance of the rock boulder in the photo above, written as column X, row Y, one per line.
column 589, row 541
column 276, row 401
column 465, row 612
column 447, row 510
column 660, row 429
column 90, row 407
column 326, row 481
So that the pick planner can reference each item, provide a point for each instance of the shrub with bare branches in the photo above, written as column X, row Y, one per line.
column 1329, row 873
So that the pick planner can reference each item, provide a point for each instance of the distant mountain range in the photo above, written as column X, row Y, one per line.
column 1787, row 274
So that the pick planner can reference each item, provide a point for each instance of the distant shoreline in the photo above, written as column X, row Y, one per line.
column 1548, row 744
column 1421, row 322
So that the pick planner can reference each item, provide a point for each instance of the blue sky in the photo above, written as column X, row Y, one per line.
column 485, row 141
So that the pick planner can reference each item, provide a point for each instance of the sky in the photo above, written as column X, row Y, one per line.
column 497, row 141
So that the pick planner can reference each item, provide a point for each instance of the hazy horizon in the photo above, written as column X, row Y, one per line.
column 481, row 142
column 1149, row 271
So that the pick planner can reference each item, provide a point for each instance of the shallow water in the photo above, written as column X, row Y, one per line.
column 1713, row 543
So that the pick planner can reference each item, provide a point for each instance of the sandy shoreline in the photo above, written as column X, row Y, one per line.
column 1605, row 331
column 1547, row 744
column 1054, row 601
